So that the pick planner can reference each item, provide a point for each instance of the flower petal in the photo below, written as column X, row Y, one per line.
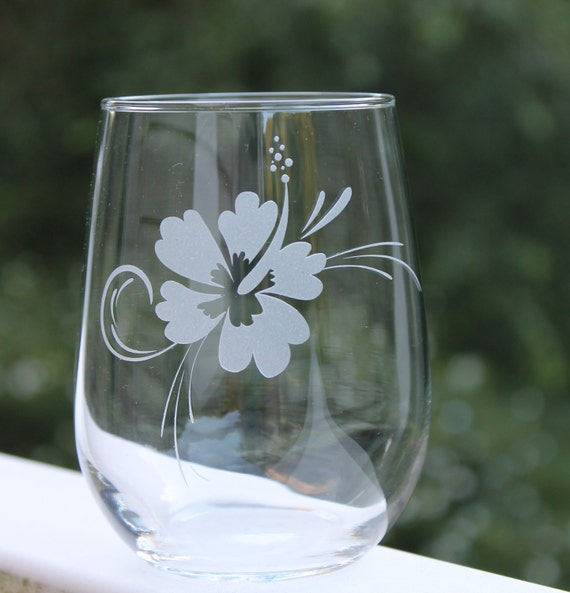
column 266, row 340
column 293, row 270
column 187, row 323
column 188, row 247
column 236, row 346
column 248, row 229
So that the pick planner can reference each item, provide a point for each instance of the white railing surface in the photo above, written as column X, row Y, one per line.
column 54, row 539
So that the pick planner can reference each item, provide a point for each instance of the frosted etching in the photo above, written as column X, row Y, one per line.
column 243, row 291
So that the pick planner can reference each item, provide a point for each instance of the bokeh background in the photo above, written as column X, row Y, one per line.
column 484, row 104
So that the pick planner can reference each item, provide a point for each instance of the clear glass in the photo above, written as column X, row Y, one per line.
column 252, row 392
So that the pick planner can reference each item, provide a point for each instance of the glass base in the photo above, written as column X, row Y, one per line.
column 248, row 543
column 216, row 524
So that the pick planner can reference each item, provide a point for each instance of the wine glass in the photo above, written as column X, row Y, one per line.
column 252, row 393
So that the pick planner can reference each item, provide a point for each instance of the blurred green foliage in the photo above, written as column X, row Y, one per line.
column 483, row 90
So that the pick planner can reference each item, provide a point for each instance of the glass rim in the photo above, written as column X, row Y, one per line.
column 253, row 102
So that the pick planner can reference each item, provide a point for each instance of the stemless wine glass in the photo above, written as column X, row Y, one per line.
column 252, row 393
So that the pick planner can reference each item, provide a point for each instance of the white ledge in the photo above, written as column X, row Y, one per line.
column 54, row 539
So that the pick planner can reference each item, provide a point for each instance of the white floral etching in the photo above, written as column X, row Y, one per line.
column 242, row 290
column 242, row 293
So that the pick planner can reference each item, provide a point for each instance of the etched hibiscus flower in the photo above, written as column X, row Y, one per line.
column 242, row 282
column 240, row 285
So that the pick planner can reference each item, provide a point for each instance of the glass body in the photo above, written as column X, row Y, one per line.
column 252, row 392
